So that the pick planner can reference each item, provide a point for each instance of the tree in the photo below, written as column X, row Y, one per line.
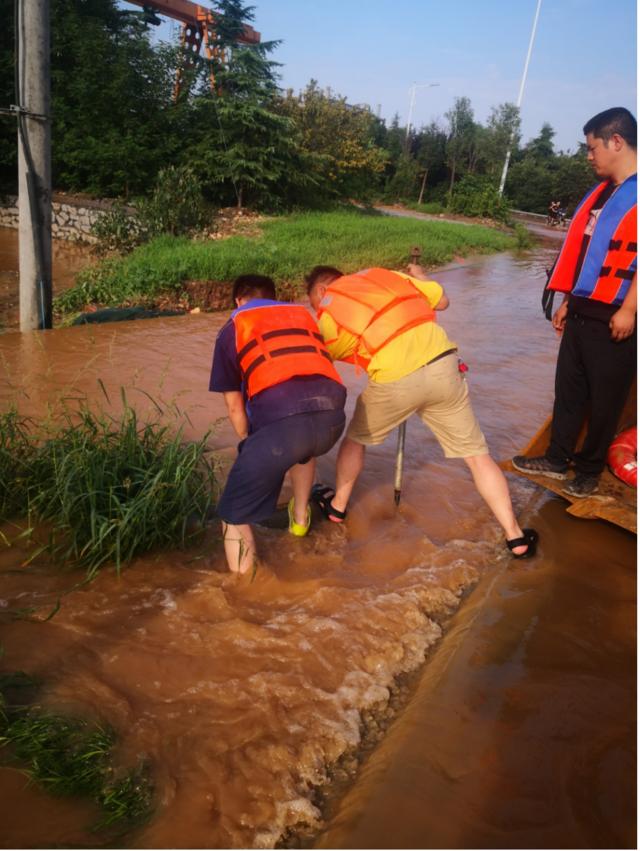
column 501, row 134
column 541, row 148
column 462, row 137
column 338, row 137
column 431, row 147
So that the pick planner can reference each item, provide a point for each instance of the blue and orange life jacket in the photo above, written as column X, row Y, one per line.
column 611, row 257
column 375, row 305
column 277, row 341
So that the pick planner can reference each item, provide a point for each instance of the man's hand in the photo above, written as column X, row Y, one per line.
column 622, row 324
column 560, row 317
column 416, row 271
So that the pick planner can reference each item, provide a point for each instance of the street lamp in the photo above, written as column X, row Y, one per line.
column 503, row 179
column 412, row 100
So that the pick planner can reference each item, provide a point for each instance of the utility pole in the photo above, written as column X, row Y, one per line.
column 503, row 179
column 34, row 163
column 412, row 100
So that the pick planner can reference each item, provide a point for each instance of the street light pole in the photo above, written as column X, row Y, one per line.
column 412, row 100
column 503, row 179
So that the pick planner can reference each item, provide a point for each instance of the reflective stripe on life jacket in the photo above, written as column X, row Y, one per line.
column 375, row 305
column 610, row 261
column 276, row 342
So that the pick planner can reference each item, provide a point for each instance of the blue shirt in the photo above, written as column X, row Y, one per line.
column 295, row 396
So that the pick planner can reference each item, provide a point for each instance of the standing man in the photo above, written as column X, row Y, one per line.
column 385, row 321
column 286, row 403
column 596, row 271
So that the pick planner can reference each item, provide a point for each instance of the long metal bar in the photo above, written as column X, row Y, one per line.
column 503, row 179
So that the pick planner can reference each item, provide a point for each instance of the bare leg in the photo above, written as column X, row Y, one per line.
column 493, row 488
column 302, row 476
column 348, row 467
column 239, row 547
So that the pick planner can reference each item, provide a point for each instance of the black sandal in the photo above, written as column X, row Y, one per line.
column 322, row 496
column 530, row 538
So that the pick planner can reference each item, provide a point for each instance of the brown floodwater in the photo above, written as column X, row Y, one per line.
column 517, row 732
column 67, row 258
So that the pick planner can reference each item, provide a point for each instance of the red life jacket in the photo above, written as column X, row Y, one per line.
column 610, row 260
column 376, row 306
column 276, row 342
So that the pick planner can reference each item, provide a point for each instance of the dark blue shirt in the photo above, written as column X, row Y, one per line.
column 296, row 396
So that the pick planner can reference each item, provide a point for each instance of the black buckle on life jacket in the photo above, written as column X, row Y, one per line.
column 605, row 272
column 625, row 274
column 615, row 245
column 632, row 246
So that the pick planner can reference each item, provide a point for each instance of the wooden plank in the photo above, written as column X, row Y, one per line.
column 615, row 502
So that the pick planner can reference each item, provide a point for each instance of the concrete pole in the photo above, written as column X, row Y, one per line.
column 503, row 179
column 34, row 164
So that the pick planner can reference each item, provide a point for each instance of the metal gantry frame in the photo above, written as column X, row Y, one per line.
column 198, row 28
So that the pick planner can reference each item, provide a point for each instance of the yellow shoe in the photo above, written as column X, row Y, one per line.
column 296, row 528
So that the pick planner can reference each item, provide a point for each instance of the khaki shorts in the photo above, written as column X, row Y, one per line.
column 437, row 393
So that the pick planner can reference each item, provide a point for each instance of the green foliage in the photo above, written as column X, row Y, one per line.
column 523, row 236
column 478, row 196
column 17, row 452
column 70, row 756
column 533, row 182
column 289, row 247
column 110, row 489
column 433, row 208
column 404, row 182
column 338, row 141
column 175, row 206
column 119, row 230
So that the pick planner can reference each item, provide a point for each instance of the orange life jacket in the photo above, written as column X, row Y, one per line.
column 375, row 305
column 610, row 261
column 276, row 342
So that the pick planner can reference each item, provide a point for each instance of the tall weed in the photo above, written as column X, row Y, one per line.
column 109, row 488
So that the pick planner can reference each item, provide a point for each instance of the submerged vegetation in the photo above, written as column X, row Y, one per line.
column 287, row 248
column 108, row 488
column 71, row 756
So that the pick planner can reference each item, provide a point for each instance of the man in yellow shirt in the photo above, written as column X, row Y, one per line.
column 385, row 321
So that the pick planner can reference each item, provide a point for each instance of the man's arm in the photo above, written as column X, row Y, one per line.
column 623, row 320
column 416, row 271
column 237, row 413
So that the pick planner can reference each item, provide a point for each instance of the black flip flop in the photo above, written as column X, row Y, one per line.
column 529, row 538
column 322, row 496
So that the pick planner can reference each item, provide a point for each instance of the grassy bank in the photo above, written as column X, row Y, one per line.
column 107, row 489
column 287, row 248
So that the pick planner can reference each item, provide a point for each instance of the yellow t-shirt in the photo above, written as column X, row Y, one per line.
column 400, row 356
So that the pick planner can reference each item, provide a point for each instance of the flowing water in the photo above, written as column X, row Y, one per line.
column 67, row 258
column 247, row 696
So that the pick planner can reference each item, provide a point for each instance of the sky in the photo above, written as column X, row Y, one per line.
column 373, row 51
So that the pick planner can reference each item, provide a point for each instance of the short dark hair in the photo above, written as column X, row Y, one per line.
column 321, row 275
column 615, row 120
column 255, row 286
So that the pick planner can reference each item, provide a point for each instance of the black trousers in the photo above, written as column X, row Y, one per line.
column 593, row 377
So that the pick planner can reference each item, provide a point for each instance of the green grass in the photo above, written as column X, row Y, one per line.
column 16, row 457
column 72, row 757
column 288, row 247
column 434, row 208
column 109, row 488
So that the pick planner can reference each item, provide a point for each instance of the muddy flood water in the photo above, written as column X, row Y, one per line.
column 247, row 697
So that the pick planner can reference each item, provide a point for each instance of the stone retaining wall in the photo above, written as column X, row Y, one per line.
column 71, row 220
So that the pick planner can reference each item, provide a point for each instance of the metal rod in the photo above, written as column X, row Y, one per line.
column 397, row 485
column 402, row 428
